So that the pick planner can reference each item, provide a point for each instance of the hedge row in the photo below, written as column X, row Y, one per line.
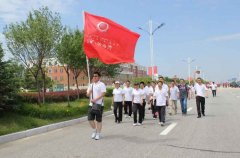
column 32, row 97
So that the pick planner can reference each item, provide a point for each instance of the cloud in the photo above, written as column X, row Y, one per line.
column 15, row 10
column 225, row 37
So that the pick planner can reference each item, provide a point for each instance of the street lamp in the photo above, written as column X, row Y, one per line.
column 151, row 33
column 189, row 61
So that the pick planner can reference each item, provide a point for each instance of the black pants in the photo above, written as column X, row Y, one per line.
column 118, row 111
column 153, row 107
column 137, row 108
column 162, row 113
column 128, row 108
column 214, row 92
column 143, row 110
column 200, row 101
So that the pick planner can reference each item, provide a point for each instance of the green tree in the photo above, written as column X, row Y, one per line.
column 70, row 55
column 33, row 40
column 104, row 69
column 9, row 81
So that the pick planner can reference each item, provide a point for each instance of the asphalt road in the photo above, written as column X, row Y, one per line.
column 217, row 135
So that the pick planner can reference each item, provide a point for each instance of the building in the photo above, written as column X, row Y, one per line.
column 57, row 73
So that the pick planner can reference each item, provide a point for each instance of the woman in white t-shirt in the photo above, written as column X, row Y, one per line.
column 161, row 95
column 127, row 90
column 117, row 102
column 137, row 99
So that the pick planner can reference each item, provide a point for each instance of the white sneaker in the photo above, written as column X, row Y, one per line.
column 97, row 137
column 93, row 135
column 139, row 124
column 134, row 124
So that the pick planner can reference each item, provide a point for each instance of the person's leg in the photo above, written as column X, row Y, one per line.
column 182, row 104
column 175, row 106
column 143, row 109
column 130, row 108
column 140, row 113
column 213, row 93
column 125, row 108
column 158, row 109
column 134, row 113
column 91, row 118
column 185, row 105
column 120, row 112
column 163, row 109
column 115, row 107
column 198, row 106
column 203, row 105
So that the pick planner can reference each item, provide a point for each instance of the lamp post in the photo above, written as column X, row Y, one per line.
column 151, row 33
column 189, row 61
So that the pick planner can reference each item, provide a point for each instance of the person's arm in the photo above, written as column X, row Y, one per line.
column 123, row 96
column 103, row 91
column 99, row 97
column 113, row 97
column 89, row 91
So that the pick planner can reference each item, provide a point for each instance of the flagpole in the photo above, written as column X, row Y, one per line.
column 88, row 71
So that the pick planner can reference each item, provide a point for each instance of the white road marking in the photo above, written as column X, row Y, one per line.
column 189, row 109
column 168, row 129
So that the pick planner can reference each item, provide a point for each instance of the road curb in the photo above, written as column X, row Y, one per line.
column 44, row 129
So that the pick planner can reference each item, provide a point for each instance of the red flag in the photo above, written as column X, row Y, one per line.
column 108, row 41
column 155, row 70
column 149, row 71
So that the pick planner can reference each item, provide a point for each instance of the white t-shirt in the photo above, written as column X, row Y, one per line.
column 128, row 93
column 164, row 86
column 174, row 93
column 98, row 88
column 137, row 94
column 200, row 89
column 144, row 93
column 161, row 97
column 118, row 94
column 214, row 86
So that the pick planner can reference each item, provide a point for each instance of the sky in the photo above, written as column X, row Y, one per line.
column 205, row 30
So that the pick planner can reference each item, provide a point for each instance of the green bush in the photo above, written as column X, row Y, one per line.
column 32, row 97
column 58, row 110
column 109, row 92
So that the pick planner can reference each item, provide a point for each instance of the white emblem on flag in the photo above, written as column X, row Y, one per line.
column 102, row 26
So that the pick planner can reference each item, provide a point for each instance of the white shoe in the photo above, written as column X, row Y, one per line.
column 134, row 124
column 97, row 137
column 139, row 124
column 93, row 135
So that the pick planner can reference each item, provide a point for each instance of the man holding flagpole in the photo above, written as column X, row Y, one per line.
column 111, row 43
column 96, row 92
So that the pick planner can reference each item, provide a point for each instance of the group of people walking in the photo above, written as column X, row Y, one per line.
column 132, row 101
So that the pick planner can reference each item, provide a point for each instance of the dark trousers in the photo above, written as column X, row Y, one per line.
column 214, row 92
column 137, row 108
column 162, row 113
column 153, row 107
column 143, row 110
column 128, row 108
column 118, row 111
column 200, row 101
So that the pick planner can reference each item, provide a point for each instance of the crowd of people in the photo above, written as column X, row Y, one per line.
column 155, row 96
